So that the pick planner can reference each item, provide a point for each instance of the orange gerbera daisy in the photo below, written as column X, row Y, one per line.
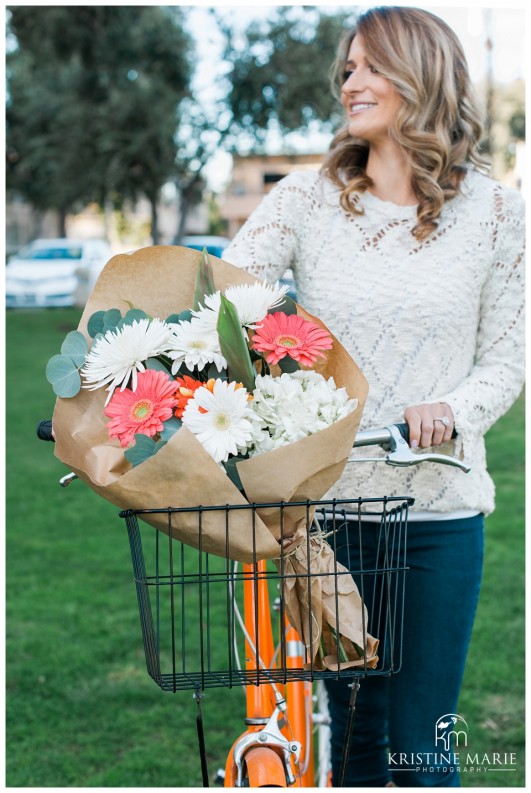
column 141, row 411
column 281, row 334
column 186, row 386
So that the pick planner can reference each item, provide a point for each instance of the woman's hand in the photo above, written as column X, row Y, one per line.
column 425, row 425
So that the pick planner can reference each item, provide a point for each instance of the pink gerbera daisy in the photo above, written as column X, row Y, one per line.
column 281, row 334
column 143, row 410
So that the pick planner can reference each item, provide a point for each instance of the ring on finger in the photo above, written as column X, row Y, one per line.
column 444, row 419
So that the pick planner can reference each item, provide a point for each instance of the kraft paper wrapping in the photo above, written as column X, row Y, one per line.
column 160, row 280
column 313, row 607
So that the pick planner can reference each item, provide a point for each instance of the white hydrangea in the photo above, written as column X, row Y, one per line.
column 295, row 405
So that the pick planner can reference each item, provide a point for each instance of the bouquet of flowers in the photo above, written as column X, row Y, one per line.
column 204, row 388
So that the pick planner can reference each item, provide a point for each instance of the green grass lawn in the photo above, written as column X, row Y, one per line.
column 81, row 709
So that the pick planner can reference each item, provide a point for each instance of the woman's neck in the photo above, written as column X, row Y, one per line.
column 391, row 176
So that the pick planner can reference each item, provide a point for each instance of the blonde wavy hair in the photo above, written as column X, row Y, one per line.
column 438, row 124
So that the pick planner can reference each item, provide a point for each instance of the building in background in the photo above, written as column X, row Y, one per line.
column 253, row 177
column 125, row 230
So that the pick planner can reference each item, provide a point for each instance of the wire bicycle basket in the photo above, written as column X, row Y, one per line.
column 190, row 602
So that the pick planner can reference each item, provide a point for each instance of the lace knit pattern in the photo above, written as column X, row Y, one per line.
column 435, row 321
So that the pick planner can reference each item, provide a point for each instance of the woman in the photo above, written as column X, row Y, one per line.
column 413, row 258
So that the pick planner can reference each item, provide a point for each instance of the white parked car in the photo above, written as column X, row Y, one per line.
column 45, row 272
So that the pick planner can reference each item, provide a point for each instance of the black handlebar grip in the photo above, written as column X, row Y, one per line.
column 404, row 431
column 44, row 430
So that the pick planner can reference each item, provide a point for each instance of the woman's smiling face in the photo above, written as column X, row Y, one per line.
column 370, row 100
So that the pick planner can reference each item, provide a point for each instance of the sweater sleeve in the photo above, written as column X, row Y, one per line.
column 497, row 376
column 268, row 243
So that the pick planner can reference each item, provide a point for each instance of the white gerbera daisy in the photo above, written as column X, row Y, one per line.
column 194, row 346
column 252, row 302
column 116, row 357
column 220, row 418
column 206, row 317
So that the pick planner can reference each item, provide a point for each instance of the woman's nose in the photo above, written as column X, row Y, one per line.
column 353, row 82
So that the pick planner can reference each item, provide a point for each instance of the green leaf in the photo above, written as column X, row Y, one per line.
column 62, row 373
column 95, row 323
column 170, row 428
column 343, row 657
column 111, row 318
column 204, row 280
column 75, row 346
column 143, row 449
column 173, row 319
column 232, row 471
column 157, row 365
column 213, row 373
column 288, row 365
column 234, row 345
column 134, row 314
column 184, row 370
column 288, row 307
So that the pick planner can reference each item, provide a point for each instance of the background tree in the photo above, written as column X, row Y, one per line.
column 93, row 103
column 280, row 73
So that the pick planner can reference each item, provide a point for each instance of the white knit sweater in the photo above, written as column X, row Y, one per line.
column 437, row 321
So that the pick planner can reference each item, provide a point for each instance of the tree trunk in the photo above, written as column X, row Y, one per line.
column 61, row 222
column 38, row 215
column 183, row 214
column 155, row 235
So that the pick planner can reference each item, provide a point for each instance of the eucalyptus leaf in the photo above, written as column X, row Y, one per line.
column 143, row 449
column 288, row 365
column 156, row 365
column 288, row 307
column 204, row 280
column 133, row 315
column 75, row 346
column 111, row 318
column 159, row 445
column 170, row 428
column 173, row 319
column 95, row 323
column 62, row 373
column 234, row 345
column 186, row 315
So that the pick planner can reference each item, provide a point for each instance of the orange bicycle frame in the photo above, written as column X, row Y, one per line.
column 265, row 765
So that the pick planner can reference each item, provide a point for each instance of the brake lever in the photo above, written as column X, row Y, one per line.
column 65, row 480
column 400, row 455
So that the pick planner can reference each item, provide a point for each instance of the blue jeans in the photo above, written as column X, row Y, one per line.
column 398, row 714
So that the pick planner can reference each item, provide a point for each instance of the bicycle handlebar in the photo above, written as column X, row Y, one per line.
column 44, row 430
column 375, row 437
column 393, row 439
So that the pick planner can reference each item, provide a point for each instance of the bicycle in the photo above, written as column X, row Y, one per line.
column 178, row 586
